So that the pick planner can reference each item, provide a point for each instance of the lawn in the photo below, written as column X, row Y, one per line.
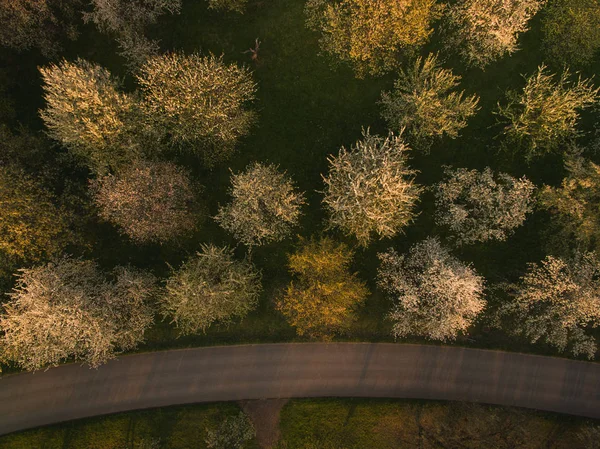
column 308, row 108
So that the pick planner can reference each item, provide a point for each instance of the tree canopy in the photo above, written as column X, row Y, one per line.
column 210, row 287
column 371, row 34
column 435, row 295
column 370, row 189
column 265, row 205
column 69, row 310
column 322, row 299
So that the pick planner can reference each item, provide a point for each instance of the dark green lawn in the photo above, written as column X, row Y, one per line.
column 306, row 110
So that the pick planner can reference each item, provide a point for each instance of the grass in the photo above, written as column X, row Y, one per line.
column 175, row 427
column 393, row 424
column 306, row 110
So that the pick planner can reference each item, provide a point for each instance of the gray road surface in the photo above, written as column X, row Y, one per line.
column 227, row 373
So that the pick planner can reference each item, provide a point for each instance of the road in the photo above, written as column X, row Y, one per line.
column 228, row 373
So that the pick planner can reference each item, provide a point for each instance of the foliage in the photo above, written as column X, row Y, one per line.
column 480, row 206
column 37, row 24
column 68, row 310
column 88, row 115
column 149, row 201
column 199, row 101
column 485, row 30
column 572, row 31
column 32, row 226
column 265, row 206
column 423, row 101
column 558, row 301
column 435, row 295
column 371, row 34
column 323, row 298
column 127, row 19
column 211, row 287
column 574, row 205
column 238, row 6
column 233, row 433
column 544, row 116
column 370, row 189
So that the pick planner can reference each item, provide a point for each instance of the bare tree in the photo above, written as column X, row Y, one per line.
column 370, row 189
column 69, row 310
column 265, row 206
column 435, row 295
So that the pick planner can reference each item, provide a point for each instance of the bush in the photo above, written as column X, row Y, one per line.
column 211, row 287
column 265, row 206
column 233, row 433
column 238, row 6
column 479, row 206
column 424, row 102
column 67, row 310
column 544, row 116
column 323, row 298
column 197, row 101
column 371, row 34
column 370, row 189
column 149, row 201
column 435, row 295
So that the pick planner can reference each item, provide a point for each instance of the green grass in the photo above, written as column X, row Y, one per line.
column 176, row 427
column 306, row 110
column 393, row 424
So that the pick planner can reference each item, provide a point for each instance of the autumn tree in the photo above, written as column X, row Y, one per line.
column 265, row 207
column 238, row 6
column 558, row 301
column 70, row 310
column 483, row 31
column 370, row 189
column 198, row 101
column 435, row 295
column 149, row 201
column 323, row 297
column 127, row 21
column 33, row 225
column 211, row 287
column 571, row 31
column 233, row 433
column 38, row 24
column 371, row 34
column 481, row 206
column 425, row 102
column 574, row 205
column 544, row 116
column 88, row 115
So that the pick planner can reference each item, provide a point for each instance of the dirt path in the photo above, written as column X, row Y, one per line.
column 264, row 414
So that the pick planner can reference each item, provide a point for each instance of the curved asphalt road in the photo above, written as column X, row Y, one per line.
column 227, row 373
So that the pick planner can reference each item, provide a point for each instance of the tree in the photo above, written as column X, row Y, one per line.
column 88, row 115
column 149, row 201
column 571, row 31
column 238, row 6
column 424, row 102
column 483, row 31
column 33, row 226
column 265, row 206
column 198, row 101
column 544, row 116
column 68, row 309
column 371, row 34
column 233, row 433
column 574, row 205
column 211, row 287
column 480, row 206
column 370, row 189
column 558, row 301
column 37, row 24
column 127, row 20
column 323, row 298
column 435, row 295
